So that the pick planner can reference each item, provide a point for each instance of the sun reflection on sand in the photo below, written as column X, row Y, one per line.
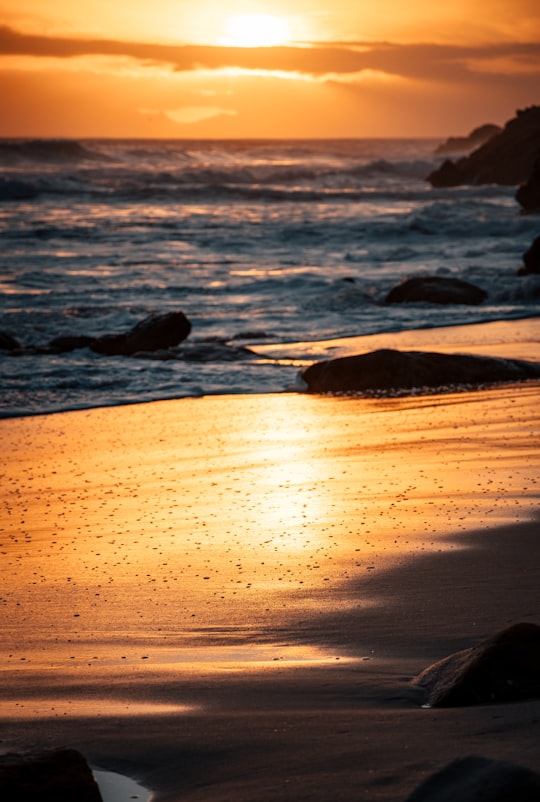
column 281, row 480
column 221, row 523
column 85, row 708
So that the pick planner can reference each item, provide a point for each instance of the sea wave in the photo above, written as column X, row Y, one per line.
column 287, row 241
column 59, row 151
column 214, row 186
column 179, row 171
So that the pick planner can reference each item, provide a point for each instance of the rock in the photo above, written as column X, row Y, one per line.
column 507, row 158
column 448, row 175
column 476, row 138
column 151, row 334
column 436, row 290
column 58, row 776
column 60, row 345
column 503, row 668
column 251, row 334
column 401, row 370
column 477, row 779
column 531, row 259
column 8, row 343
column 528, row 194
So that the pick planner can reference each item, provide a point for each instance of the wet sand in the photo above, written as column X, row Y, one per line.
column 226, row 597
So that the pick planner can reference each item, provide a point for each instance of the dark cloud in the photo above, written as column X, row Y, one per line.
column 435, row 62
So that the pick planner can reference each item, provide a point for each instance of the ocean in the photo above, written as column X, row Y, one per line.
column 257, row 242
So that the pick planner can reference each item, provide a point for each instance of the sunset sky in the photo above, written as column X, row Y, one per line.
column 274, row 68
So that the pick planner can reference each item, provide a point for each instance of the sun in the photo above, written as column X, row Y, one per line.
column 256, row 30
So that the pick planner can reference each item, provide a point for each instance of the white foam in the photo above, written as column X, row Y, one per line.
column 118, row 788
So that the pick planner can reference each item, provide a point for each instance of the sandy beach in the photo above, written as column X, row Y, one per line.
column 226, row 597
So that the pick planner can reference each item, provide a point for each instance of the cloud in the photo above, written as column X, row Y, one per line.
column 345, row 60
column 514, row 64
column 195, row 114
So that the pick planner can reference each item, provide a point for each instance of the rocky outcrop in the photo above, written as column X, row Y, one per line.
column 503, row 668
column 528, row 194
column 391, row 370
column 156, row 332
column 478, row 779
column 61, row 775
column 436, row 290
column 507, row 158
column 151, row 334
column 531, row 259
column 477, row 137
column 158, row 337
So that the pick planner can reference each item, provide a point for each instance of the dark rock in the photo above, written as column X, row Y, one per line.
column 503, row 668
column 436, row 290
column 401, row 370
column 151, row 334
column 213, row 352
column 160, row 355
column 251, row 334
column 448, row 174
column 68, row 342
column 477, row 779
column 531, row 259
column 58, row 776
column 112, row 345
column 507, row 158
column 528, row 194
column 7, row 342
column 476, row 138
column 200, row 352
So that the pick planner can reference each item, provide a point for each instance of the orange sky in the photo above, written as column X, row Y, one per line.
column 172, row 68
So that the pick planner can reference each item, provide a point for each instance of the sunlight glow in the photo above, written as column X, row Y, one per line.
column 194, row 114
column 239, row 72
column 256, row 30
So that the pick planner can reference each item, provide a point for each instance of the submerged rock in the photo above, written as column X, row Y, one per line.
column 387, row 369
column 8, row 343
column 61, row 775
column 476, row 138
column 477, row 779
column 503, row 668
column 507, row 158
column 213, row 352
column 151, row 334
column 200, row 352
column 12, row 189
column 436, row 290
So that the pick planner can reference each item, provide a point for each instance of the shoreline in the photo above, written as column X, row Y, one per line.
column 226, row 598
column 512, row 339
column 518, row 338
